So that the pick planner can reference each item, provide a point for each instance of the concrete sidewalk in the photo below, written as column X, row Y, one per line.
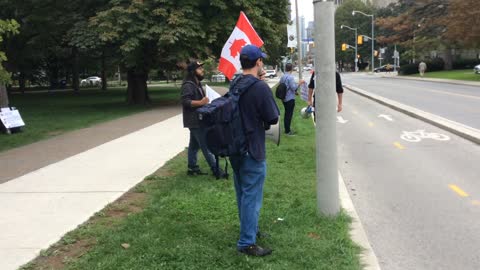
column 38, row 208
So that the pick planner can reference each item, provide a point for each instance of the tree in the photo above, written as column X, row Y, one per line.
column 6, row 27
column 343, row 15
column 150, row 33
column 463, row 23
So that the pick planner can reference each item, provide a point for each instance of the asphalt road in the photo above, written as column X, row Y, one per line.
column 419, row 202
column 459, row 103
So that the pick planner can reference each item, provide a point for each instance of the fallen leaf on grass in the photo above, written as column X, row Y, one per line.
column 125, row 245
column 313, row 235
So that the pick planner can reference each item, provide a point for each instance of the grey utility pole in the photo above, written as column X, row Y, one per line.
column 325, row 109
column 299, row 43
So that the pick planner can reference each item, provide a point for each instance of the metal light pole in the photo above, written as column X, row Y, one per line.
column 373, row 34
column 356, row 45
column 299, row 44
column 325, row 107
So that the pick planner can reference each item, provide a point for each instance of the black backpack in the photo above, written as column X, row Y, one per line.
column 281, row 91
column 222, row 120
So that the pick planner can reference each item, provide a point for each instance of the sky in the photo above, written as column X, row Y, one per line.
column 305, row 8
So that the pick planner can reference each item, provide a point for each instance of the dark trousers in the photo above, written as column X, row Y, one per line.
column 287, row 120
column 198, row 141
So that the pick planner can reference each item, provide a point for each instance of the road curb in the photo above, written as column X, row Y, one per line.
column 420, row 79
column 461, row 130
column 368, row 259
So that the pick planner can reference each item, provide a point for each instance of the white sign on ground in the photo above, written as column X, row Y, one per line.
column 418, row 135
column 11, row 118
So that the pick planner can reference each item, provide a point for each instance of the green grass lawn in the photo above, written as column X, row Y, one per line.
column 49, row 114
column 464, row 74
column 191, row 222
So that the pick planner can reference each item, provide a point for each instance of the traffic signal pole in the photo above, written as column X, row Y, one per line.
column 325, row 109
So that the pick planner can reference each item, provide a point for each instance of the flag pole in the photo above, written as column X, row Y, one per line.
column 299, row 45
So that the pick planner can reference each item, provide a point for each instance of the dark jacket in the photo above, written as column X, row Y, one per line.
column 191, row 91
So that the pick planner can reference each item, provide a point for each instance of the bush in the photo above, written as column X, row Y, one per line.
column 408, row 69
column 436, row 64
column 465, row 63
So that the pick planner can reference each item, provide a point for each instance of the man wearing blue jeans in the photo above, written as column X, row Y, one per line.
column 258, row 111
column 193, row 97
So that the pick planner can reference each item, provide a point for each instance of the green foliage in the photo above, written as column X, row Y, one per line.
column 436, row 64
column 6, row 27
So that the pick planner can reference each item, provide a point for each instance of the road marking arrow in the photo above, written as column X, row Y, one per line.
column 341, row 120
column 387, row 117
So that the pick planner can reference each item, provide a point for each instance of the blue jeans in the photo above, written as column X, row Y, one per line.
column 198, row 140
column 249, row 176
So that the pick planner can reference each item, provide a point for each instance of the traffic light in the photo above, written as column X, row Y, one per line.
column 375, row 53
column 344, row 46
column 360, row 40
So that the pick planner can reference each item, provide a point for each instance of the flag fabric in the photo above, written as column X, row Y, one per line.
column 243, row 34
column 211, row 94
column 292, row 35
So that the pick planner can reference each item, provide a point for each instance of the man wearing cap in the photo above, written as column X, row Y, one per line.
column 258, row 111
column 193, row 97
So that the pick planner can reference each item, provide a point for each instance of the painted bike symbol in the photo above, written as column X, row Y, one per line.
column 416, row 136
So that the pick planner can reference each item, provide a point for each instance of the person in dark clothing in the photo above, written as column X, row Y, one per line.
column 258, row 111
column 193, row 97
column 338, row 88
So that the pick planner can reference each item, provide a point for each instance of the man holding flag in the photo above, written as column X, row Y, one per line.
column 258, row 111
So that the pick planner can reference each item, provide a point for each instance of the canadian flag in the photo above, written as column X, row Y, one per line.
column 242, row 35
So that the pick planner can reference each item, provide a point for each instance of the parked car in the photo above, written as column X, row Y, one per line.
column 218, row 78
column 91, row 81
column 270, row 73
column 476, row 69
column 384, row 68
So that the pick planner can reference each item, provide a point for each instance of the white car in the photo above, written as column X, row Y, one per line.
column 91, row 81
column 218, row 78
column 476, row 69
column 270, row 73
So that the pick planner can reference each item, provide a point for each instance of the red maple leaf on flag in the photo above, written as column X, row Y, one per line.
column 237, row 45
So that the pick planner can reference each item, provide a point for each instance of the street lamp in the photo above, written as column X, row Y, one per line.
column 414, row 37
column 373, row 33
column 356, row 45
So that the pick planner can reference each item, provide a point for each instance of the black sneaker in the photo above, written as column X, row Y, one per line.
column 255, row 250
column 195, row 171
column 221, row 174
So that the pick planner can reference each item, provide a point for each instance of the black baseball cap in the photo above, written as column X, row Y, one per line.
column 194, row 65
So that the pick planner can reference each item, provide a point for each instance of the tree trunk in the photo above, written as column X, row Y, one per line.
column 21, row 82
column 75, row 71
column 104, row 72
column 137, row 92
column 3, row 96
column 448, row 59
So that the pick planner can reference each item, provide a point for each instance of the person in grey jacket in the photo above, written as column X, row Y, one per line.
column 193, row 97
column 289, row 101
